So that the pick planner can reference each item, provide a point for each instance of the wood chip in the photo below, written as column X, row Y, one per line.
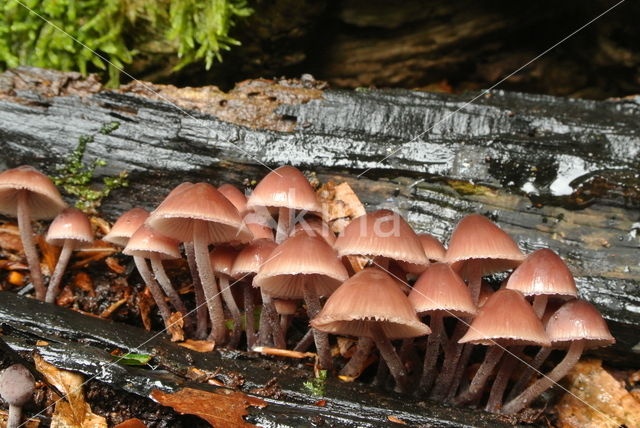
column 198, row 345
column 598, row 400
column 113, row 307
column 115, row 266
column 82, row 281
column 282, row 352
column 175, row 326
column 222, row 409
column 73, row 411
column 131, row 423
column 396, row 420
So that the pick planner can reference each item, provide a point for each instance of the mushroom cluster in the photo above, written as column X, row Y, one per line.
column 273, row 251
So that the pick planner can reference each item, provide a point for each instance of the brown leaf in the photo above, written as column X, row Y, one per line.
column 66, row 297
column 223, row 409
column 115, row 266
column 113, row 307
column 396, row 420
column 50, row 254
column 131, row 423
column 340, row 205
column 97, row 251
column 198, row 345
column 73, row 411
column 597, row 400
column 99, row 224
column 10, row 238
column 83, row 281
column 16, row 278
column 145, row 303
column 174, row 327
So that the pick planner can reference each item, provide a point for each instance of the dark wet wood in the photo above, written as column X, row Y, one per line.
column 553, row 172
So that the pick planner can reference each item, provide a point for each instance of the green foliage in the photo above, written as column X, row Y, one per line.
column 194, row 30
column 76, row 178
column 317, row 385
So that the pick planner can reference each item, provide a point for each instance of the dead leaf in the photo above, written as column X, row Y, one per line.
column 66, row 297
column 113, row 307
column 115, row 266
column 97, row 251
column 145, row 303
column 100, row 225
column 10, row 238
column 83, row 281
column 223, row 409
column 16, row 278
column 73, row 412
column 42, row 343
column 174, row 327
column 340, row 205
column 346, row 346
column 320, row 403
column 131, row 423
column 608, row 403
column 198, row 345
column 396, row 420
column 50, row 254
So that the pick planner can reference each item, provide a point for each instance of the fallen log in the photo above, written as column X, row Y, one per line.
column 553, row 172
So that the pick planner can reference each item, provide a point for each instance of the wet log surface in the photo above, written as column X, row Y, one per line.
column 553, row 172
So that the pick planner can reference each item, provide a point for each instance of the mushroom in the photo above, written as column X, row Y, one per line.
column 147, row 243
column 544, row 276
column 383, row 236
column 257, row 225
column 506, row 319
column 287, row 190
column 28, row 194
column 439, row 292
column 433, row 249
column 286, row 309
column 313, row 226
column 70, row 229
column 576, row 325
column 477, row 247
column 222, row 262
column 306, row 267
column 199, row 213
column 16, row 388
column 247, row 264
column 370, row 304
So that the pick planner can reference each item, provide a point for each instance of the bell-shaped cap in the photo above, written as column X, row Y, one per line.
column 578, row 320
column 44, row 200
column 285, row 306
column 370, row 296
column 315, row 226
column 433, row 249
column 299, row 260
column 17, row 385
column 235, row 196
column 440, row 289
column 478, row 243
column 126, row 225
column 71, row 224
column 507, row 319
column 543, row 273
column 222, row 259
column 285, row 187
column 252, row 257
column 147, row 242
column 381, row 233
column 177, row 214
column 259, row 226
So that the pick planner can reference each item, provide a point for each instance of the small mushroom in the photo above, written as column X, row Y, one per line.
column 287, row 190
column 222, row 262
column 69, row 230
column 26, row 194
column 16, row 388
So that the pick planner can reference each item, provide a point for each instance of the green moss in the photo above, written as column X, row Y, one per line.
column 317, row 385
column 76, row 178
column 194, row 30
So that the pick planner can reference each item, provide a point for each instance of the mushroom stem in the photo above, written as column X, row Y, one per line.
column 491, row 359
column 58, row 273
column 356, row 364
column 382, row 374
column 230, row 301
column 167, row 287
column 202, row 322
column 305, row 343
column 432, row 352
column 208, row 280
column 249, row 309
column 15, row 416
column 321, row 338
column 271, row 317
column 156, row 292
column 26, row 234
column 528, row 371
column 528, row 395
column 540, row 304
column 284, row 224
column 508, row 364
column 452, row 354
column 391, row 358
